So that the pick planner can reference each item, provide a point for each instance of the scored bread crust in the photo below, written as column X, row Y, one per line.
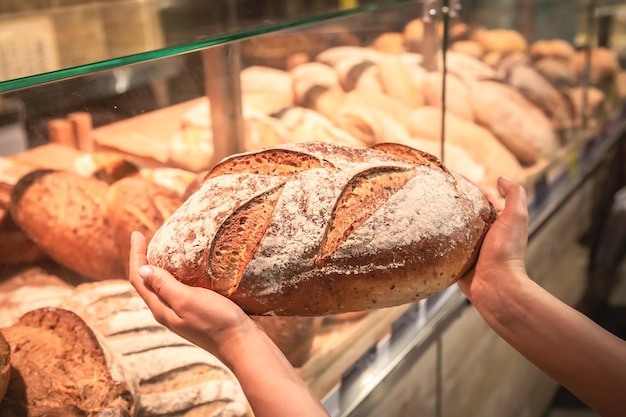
column 315, row 229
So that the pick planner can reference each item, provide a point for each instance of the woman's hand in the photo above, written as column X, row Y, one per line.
column 503, row 250
column 216, row 324
column 201, row 316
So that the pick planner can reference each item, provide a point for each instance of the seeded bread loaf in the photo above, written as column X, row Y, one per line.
column 314, row 228
column 65, row 215
column 60, row 367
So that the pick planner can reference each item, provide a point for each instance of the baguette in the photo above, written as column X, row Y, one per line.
column 312, row 229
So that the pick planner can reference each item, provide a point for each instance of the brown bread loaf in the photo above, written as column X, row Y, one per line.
column 313, row 229
column 5, row 365
column 135, row 203
column 15, row 247
column 61, row 368
column 65, row 215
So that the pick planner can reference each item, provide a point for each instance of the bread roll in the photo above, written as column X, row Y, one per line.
column 468, row 68
column 61, row 368
column 471, row 48
column 454, row 157
column 334, row 55
column 539, row 91
column 369, row 125
column 562, row 74
column 397, row 80
column 457, row 96
column 524, row 129
column 556, row 48
column 315, row 229
column 500, row 40
column 356, row 73
column 306, row 125
column 389, row 42
column 384, row 103
column 477, row 142
column 65, row 215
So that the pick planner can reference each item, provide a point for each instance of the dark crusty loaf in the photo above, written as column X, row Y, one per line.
column 65, row 215
column 61, row 368
column 314, row 229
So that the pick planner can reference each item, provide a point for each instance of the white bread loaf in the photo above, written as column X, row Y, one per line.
column 315, row 229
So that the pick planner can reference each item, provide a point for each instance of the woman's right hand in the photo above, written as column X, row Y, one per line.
column 503, row 250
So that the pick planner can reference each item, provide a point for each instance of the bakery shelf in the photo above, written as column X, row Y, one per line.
column 166, row 28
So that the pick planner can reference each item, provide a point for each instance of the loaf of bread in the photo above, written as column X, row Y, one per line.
column 65, row 215
column 174, row 377
column 60, row 367
column 477, row 142
column 5, row 365
column 15, row 247
column 135, row 203
column 30, row 289
column 314, row 229
column 522, row 127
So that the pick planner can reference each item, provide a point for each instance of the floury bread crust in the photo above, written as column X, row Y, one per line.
column 314, row 228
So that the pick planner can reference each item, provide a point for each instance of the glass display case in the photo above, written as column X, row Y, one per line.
column 531, row 90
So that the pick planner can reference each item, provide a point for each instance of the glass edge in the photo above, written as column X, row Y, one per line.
column 170, row 51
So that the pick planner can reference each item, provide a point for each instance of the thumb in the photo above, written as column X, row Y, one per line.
column 162, row 283
column 515, row 205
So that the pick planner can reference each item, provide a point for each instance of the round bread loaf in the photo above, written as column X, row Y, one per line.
column 5, row 365
column 314, row 228
column 61, row 368
column 65, row 215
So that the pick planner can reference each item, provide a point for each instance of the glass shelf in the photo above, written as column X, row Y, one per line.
column 86, row 38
